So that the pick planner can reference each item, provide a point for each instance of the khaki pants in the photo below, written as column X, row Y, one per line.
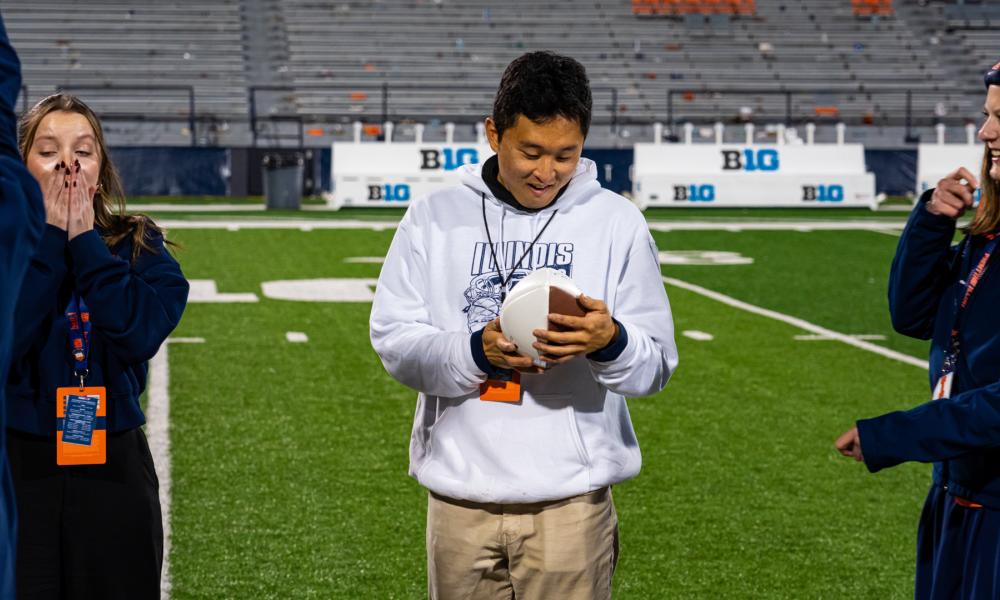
column 561, row 550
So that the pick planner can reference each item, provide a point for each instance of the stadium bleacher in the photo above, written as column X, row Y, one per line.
column 321, row 64
column 136, row 59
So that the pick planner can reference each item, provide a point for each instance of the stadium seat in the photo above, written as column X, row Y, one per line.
column 867, row 8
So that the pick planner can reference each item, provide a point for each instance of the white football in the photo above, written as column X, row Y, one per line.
column 528, row 305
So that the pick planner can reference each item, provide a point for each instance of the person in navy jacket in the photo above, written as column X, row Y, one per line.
column 950, row 294
column 92, row 530
column 21, row 220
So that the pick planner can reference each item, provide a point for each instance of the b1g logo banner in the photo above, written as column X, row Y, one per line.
column 720, row 175
column 750, row 160
column 399, row 192
column 447, row 159
column 748, row 190
column 694, row 193
column 695, row 159
column 393, row 174
column 823, row 193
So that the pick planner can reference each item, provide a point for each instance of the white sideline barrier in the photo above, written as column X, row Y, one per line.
column 934, row 161
column 378, row 174
column 754, row 175
column 749, row 190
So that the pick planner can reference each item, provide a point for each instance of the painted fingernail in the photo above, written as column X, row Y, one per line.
column 74, row 184
column 65, row 184
column 77, row 166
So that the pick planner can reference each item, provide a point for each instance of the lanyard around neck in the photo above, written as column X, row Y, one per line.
column 78, row 317
column 504, row 280
column 969, row 286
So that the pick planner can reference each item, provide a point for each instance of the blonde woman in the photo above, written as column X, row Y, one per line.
column 102, row 293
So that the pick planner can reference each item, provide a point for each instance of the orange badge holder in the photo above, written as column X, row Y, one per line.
column 501, row 391
column 76, row 454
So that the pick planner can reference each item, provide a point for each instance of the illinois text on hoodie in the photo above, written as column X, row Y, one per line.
column 571, row 432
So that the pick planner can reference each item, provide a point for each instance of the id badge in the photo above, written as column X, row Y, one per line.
column 502, row 390
column 81, row 426
column 942, row 389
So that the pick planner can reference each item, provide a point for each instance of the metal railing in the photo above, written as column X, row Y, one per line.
column 790, row 117
column 603, row 114
column 192, row 112
column 607, row 109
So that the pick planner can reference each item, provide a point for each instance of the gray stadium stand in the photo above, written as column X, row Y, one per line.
column 441, row 60
column 136, row 61
column 312, row 67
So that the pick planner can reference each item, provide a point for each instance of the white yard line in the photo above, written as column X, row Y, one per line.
column 233, row 224
column 186, row 340
column 796, row 322
column 804, row 226
column 871, row 337
column 158, row 433
column 210, row 208
column 701, row 336
column 195, row 208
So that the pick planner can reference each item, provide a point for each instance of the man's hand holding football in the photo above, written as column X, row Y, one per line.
column 502, row 353
column 586, row 334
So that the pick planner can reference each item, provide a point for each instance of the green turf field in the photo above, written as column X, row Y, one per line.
column 289, row 459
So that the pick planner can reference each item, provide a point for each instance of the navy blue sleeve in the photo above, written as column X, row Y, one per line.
column 10, row 87
column 133, row 307
column 36, row 302
column 935, row 431
column 921, row 270
column 22, row 214
column 614, row 348
column 22, row 217
column 484, row 364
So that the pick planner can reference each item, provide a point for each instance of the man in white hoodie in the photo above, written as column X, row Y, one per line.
column 520, row 502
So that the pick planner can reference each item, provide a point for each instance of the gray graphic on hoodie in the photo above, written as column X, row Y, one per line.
column 482, row 297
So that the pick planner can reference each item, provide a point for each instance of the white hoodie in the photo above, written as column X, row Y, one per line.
column 571, row 432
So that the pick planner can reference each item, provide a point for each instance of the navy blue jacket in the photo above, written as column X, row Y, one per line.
column 961, row 434
column 133, row 308
column 22, row 216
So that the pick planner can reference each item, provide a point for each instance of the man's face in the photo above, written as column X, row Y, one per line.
column 990, row 131
column 536, row 159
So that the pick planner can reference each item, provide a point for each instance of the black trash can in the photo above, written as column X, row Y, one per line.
column 282, row 174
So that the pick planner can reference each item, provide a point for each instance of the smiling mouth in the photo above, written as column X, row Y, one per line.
column 995, row 154
column 538, row 190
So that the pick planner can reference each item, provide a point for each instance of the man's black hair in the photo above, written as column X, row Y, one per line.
column 541, row 86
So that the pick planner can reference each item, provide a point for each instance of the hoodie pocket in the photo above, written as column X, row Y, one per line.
column 481, row 450
column 569, row 413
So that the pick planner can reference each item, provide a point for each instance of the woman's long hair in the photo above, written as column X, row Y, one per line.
column 987, row 219
column 109, row 199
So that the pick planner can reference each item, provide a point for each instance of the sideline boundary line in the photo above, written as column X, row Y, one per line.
column 880, row 225
column 797, row 322
column 158, row 433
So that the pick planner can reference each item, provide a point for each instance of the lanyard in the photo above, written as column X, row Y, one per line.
column 78, row 316
column 505, row 280
column 975, row 275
